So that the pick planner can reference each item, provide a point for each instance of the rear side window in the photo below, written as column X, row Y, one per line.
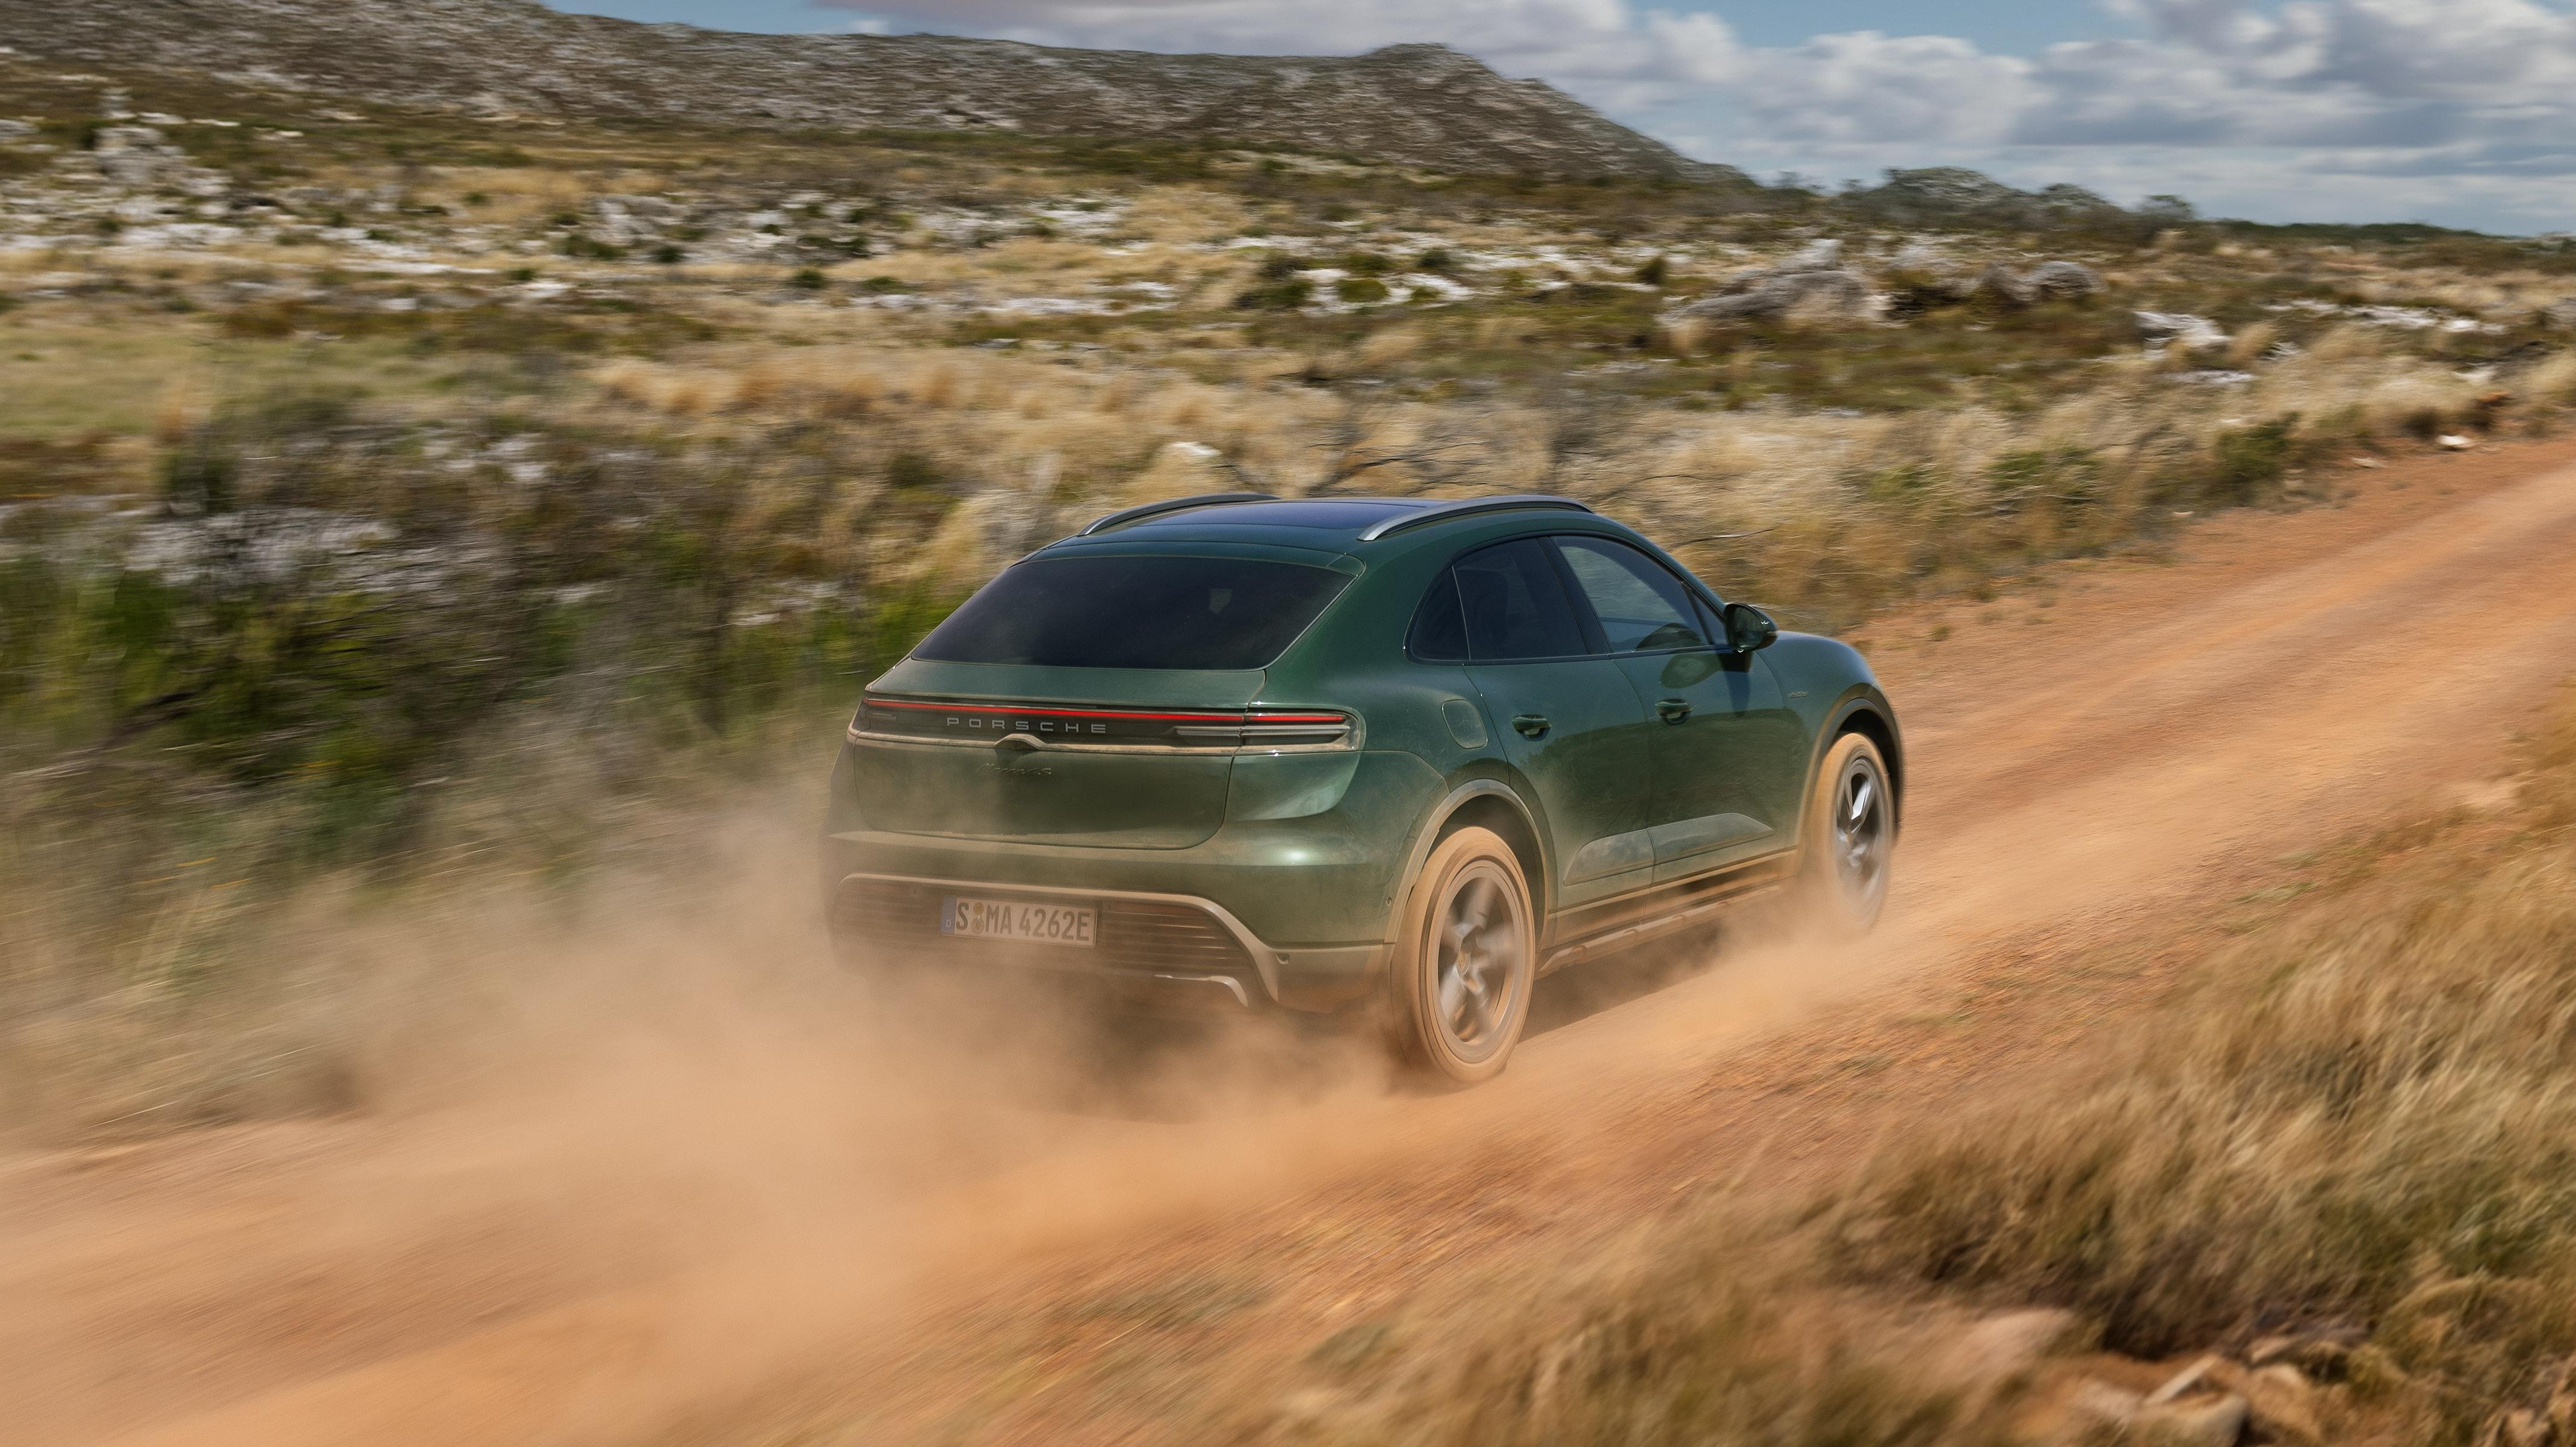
column 1136, row 612
column 1439, row 630
column 1641, row 605
column 1514, row 606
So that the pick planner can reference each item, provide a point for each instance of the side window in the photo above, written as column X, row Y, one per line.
column 1514, row 606
column 1641, row 605
column 1439, row 630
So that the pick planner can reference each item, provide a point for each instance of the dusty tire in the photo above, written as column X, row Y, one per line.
column 1466, row 956
column 1850, row 829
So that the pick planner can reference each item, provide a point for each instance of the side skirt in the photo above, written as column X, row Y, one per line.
column 1633, row 919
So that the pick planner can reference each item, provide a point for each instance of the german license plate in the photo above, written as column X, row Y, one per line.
column 1010, row 919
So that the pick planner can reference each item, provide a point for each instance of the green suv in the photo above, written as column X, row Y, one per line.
column 1351, row 754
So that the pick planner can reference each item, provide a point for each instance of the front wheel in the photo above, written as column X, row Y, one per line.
column 1850, row 832
column 1465, row 960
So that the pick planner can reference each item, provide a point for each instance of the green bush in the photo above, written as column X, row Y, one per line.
column 2248, row 462
column 1287, row 295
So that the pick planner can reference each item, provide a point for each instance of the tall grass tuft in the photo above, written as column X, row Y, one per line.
column 2366, row 1116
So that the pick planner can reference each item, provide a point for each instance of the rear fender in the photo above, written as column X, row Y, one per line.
column 1435, row 821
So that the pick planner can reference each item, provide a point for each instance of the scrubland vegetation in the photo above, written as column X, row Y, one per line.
column 2337, row 1160
column 386, row 498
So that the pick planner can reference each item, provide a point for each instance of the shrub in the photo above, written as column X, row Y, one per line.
column 912, row 472
column 1287, row 295
column 1360, row 289
column 809, row 279
column 2063, row 474
column 588, row 248
column 2248, row 461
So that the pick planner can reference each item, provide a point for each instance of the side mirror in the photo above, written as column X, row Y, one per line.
column 1749, row 629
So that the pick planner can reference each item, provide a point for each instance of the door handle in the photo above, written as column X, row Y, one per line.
column 1531, row 725
column 1673, row 710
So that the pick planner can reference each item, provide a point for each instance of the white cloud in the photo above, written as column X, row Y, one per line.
column 2457, row 108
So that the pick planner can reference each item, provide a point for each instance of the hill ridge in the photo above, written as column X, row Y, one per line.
column 1418, row 104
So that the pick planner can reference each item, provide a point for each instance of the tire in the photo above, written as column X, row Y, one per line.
column 1850, row 828
column 1466, row 958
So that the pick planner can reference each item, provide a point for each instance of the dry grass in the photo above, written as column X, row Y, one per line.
column 890, row 463
column 1667, row 1340
column 2554, row 380
column 2361, row 1117
column 2366, row 1115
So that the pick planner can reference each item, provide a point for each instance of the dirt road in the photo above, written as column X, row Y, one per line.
column 750, row 1217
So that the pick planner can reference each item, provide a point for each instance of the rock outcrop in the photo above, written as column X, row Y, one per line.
column 1811, row 286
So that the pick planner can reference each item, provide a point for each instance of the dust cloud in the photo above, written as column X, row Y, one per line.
column 630, row 1157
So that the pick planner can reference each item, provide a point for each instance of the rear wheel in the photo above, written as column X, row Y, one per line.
column 1465, row 958
column 1851, row 839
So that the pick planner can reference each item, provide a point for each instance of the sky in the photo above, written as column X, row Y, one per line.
column 2461, row 112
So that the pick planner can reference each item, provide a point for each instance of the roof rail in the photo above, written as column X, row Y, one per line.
column 1122, row 518
column 1443, row 511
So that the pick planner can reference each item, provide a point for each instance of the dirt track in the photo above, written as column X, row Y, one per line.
column 742, row 1229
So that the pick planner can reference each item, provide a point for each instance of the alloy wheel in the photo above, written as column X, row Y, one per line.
column 1483, row 939
column 1862, row 827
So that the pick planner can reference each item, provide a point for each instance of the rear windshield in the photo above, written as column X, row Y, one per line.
column 1136, row 612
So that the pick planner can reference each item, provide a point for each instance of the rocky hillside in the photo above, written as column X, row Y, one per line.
column 1419, row 105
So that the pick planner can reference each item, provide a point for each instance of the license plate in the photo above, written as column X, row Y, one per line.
column 1010, row 919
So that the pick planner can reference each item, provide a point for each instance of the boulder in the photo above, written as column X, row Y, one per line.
column 1809, row 286
column 2194, row 332
column 2004, row 287
column 1824, row 254
column 2063, row 281
column 2561, row 313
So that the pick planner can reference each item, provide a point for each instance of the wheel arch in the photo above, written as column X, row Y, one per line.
column 1870, row 717
column 1488, row 803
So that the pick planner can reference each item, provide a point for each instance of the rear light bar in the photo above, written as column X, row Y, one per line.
column 1176, row 728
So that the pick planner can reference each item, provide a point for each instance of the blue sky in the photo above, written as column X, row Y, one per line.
column 2456, row 111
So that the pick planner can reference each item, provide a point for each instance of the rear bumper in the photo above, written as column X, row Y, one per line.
column 1290, row 898
column 1159, row 949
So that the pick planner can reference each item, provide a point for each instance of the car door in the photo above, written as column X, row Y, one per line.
column 1715, row 711
column 1566, row 717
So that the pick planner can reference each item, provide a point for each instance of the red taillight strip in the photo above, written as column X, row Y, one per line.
column 1256, row 716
